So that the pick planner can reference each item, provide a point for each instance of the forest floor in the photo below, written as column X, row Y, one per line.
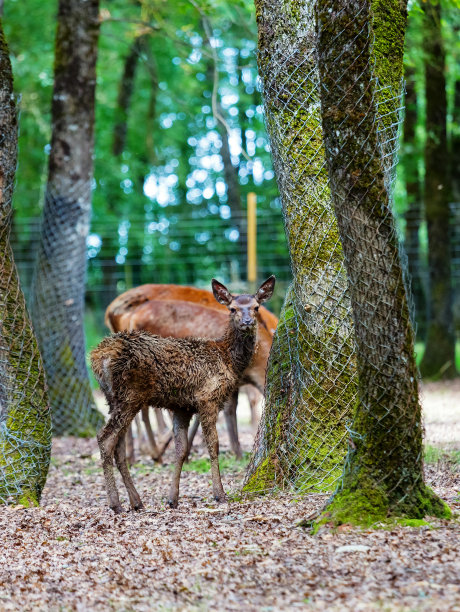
column 73, row 553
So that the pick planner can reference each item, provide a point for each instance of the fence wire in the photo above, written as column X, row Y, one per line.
column 57, row 306
column 312, row 380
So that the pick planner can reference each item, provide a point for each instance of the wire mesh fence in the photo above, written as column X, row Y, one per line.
column 344, row 344
column 25, row 425
column 311, row 382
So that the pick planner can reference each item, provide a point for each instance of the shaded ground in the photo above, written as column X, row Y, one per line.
column 74, row 554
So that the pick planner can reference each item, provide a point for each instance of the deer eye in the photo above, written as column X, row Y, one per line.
column 256, row 309
column 232, row 309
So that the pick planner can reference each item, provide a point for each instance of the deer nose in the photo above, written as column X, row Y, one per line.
column 247, row 320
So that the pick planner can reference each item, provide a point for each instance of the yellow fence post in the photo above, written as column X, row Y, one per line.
column 252, row 241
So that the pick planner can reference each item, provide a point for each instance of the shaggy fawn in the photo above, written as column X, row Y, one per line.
column 187, row 375
column 178, row 312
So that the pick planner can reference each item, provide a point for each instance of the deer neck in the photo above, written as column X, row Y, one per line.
column 241, row 344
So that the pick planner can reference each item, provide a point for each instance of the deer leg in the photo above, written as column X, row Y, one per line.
column 150, row 435
column 208, row 419
column 254, row 398
column 192, row 434
column 181, row 421
column 160, row 420
column 232, row 424
column 107, row 439
column 130, row 452
column 120, row 460
column 156, row 450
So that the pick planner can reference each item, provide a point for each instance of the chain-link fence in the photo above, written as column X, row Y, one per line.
column 311, row 382
column 344, row 345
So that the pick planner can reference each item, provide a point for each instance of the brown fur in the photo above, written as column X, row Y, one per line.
column 186, row 375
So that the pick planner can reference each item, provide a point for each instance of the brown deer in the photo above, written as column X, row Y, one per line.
column 178, row 311
column 185, row 375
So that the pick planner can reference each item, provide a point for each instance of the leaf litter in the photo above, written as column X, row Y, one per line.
column 73, row 553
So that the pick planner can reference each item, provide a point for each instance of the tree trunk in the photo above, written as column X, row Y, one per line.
column 311, row 383
column 59, row 279
column 439, row 357
column 455, row 142
column 124, row 96
column 384, row 473
column 413, row 213
column 25, row 423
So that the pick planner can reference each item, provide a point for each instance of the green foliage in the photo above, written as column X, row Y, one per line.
column 227, row 463
column 435, row 456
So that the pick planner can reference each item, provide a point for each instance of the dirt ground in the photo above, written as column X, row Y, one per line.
column 72, row 553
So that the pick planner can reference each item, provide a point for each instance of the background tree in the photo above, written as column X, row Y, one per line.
column 383, row 473
column 414, row 212
column 25, row 425
column 59, row 282
column 439, row 356
column 311, row 384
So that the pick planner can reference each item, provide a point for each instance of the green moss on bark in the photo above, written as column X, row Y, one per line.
column 25, row 425
column 311, row 372
column 383, row 475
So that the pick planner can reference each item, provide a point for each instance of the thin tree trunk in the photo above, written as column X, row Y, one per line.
column 233, row 184
column 384, row 473
column 59, row 280
column 25, row 423
column 230, row 171
column 125, row 93
column 439, row 357
column 413, row 213
column 455, row 142
column 311, row 383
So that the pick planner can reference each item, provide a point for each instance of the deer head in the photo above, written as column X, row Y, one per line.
column 243, row 308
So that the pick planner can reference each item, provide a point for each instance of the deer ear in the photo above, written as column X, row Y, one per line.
column 266, row 289
column 221, row 293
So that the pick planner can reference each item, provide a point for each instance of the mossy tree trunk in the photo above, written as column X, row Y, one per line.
column 413, row 214
column 59, row 279
column 311, row 382
column 439, row 357
column 384, row 472
column 25, row 423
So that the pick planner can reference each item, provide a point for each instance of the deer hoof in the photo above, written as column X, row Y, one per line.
column 172, row 503
column 138, row 506
column 118, row 509
column 221, row 498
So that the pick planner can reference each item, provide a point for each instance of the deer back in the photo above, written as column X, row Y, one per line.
column 118, row 311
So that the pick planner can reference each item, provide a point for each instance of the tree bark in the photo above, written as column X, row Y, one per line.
column 25, row 423
column 59, row 279
column 384, row 473
column 439, row 357
column 413, row 215
column 311, row 381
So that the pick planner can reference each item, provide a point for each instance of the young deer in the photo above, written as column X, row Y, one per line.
column 177, row 311
column 186, row 375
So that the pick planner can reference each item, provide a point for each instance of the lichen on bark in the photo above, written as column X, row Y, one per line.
column 311, row 383
column 383, row 474
column 25, row 425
